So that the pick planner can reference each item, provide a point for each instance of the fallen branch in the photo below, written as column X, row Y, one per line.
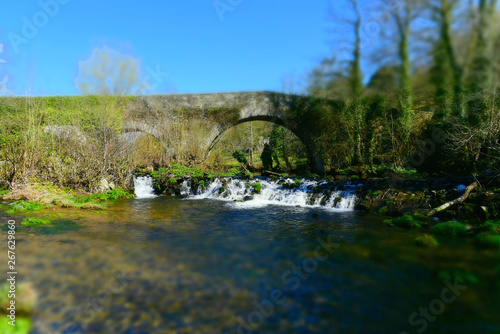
column 456, row 201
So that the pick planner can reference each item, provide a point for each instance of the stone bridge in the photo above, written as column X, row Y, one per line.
column 299, row 114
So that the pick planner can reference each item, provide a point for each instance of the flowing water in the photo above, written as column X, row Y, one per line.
column 143, row 187
column 280, row 262
column 273, row 193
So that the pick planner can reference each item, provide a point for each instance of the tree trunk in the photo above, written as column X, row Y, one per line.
column 456, row 201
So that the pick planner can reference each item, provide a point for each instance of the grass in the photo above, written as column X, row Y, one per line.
column 68, row 199
column 426, row 240
column 4, row 192
column 450, row 228
column 487, row 240
column 25, row 206
column 35, row 221
column 92, row 201
column 407, row 221
column 23, row 326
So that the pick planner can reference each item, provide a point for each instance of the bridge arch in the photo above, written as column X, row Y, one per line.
column 141, row 126
column 218, row 132
column 298, row 114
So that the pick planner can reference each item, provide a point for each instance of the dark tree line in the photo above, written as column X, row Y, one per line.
column 435, row 64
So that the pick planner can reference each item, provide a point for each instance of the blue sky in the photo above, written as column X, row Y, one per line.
column 256, row 46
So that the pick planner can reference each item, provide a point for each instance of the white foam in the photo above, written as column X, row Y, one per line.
column 143, row 187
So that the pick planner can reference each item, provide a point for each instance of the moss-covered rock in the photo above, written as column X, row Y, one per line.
column 487, row 240
column 408, row 222
column 426, row 240
column 450, row 228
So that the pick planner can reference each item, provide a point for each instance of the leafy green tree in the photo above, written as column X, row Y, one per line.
column 240, row 157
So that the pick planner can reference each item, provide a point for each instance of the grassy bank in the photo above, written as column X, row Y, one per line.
column 38, row 197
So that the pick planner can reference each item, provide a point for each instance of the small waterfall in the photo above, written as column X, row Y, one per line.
column 186, row 188
column 143, row 187
column 309, row 193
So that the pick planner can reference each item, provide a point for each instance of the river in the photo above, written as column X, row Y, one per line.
column 212, row 265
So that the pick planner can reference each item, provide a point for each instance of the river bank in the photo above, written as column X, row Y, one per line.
column 389, row 194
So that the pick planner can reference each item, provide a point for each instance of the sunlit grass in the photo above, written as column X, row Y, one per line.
column 35, row 221
column 25, row 206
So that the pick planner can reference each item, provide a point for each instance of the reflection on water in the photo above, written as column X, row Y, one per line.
column 166, row 265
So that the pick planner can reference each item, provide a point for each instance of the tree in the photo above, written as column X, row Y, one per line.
column 404, row 15
column 481, row 74
column 267, row 157
column 240, row 157
column 447, row 72
column 354, row 74
column 109, row 72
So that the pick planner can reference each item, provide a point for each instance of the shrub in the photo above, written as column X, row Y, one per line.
column 117, row 194
column 35, row 221
column 450, row 228
column 240, row 157
column 426, row 240
column 487, row 240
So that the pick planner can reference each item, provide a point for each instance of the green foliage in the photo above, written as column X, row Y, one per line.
column 487, row 240
column 318, row 190
column 35, row 221
column 240, row 157
column 257, row 187
column 172, row 180
column 92, row 201
column 25, row 206
column 462, row 276
column 4, row 192
column 201, row 183
column 490, row 226
column 408, row 222
column 115, row 194
column 426, row 240
column 23, row 326
column 450, row 229
column 23, row 309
